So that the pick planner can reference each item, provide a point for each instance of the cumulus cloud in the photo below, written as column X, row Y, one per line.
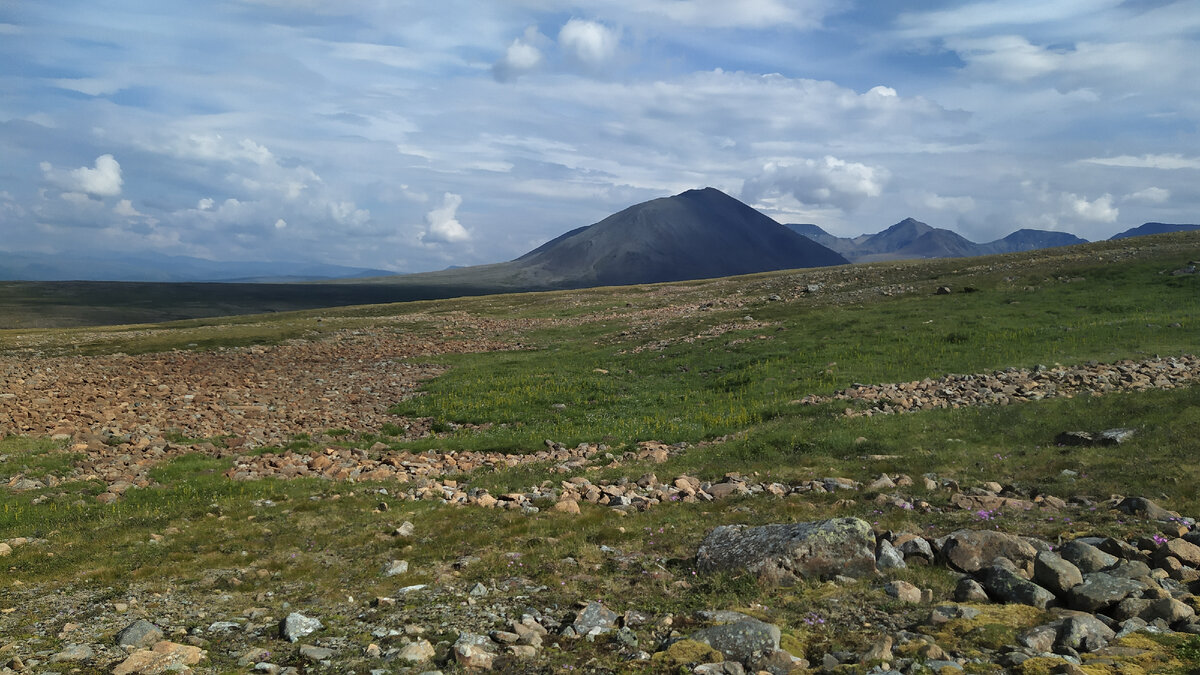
column 1147, row 162
column 587, row 42
column 828, row 181
column 125, row 208
column 280, row 224
column 444, row 227
column 521, row 57
column 1151, row 195
column 101, row 180
column 1099, row 210
column 204, row 204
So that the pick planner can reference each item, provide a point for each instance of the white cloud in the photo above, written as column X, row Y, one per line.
column 1100, row 210
column 590, row 43
column 204, row 204
column 1147, row 162
column 725, row 14
column 521, row 57
column 1151, row 195
column 214, row 147
column 444, row 227
column 280, row 224
column 940, row 203
column 969, row 17
column 102, row 180
column 826, row 181
column 125, row 208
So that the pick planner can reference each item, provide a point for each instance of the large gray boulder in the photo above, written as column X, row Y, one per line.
column 1003, row 583
column 787, row 553
column 742, row 640
column 1100, row 590
column 1055, row 574
column 973, row 550
column 1086, row 557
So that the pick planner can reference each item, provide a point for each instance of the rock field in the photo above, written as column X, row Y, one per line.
column 1081, row 605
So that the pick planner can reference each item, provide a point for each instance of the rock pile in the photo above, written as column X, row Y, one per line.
column 1014, row 385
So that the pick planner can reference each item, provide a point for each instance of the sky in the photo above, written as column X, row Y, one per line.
column 411, row 136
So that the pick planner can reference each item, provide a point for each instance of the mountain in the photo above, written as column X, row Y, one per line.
column 109, row 266
column 694, row 235
column 910, row 238
column 1153, row 228
column 1030, row 240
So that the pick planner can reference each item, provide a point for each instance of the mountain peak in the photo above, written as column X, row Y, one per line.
column 700, row 233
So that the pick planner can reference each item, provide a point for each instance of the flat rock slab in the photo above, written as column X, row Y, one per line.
column 786, row 553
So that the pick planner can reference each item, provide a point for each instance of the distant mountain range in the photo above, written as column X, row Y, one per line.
column 1153, row 228
column 697, row 234
column 123, row 267
column 911, row 238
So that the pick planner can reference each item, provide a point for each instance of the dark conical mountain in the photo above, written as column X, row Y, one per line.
column 694, row 235
column 1153, row 228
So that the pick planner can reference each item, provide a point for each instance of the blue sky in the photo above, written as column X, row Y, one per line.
column 416, row 135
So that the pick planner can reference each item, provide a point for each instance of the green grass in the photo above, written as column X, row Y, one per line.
column 313, row 543
column 705, row 388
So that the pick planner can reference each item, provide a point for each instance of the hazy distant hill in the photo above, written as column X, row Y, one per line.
column 108, row 266
column 1153, row 228
column 910, row 238
column 1030, row 240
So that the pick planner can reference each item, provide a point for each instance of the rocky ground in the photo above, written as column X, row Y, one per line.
column 976, row 598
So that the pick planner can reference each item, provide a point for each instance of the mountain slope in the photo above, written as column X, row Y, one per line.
column 1153, row 228
column 910, row 238
column 1030, row 240
column 693, row 235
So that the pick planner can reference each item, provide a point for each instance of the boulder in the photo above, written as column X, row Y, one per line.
column 1100, row 590
column 1005, row 584
column 595, row 619
column 140, row 633
column 743, row 641
column 1083, row 633
column 1054, row 574
column 1086, row 557
column 473, row 651
column 973, row 550
column 296, row 626
column 787, row 553
column 1140, row 506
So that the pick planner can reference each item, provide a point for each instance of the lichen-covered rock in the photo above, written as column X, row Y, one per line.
column 742, row 641
column 1004, row 584
column 684, row 653
column 1086, row 557
column 1083, row 633
column 788, row 552
column 595, row 619
column 973, row 550
column 473, row 651
column 1055, row 574
column 296, row 626
column 1100, row 590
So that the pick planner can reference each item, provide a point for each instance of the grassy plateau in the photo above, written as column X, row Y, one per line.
column 717, row 366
